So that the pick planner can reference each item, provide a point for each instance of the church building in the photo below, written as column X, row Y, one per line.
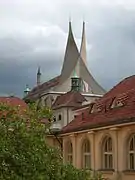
column 74, row 79
column 94, row 129
column 101, row 135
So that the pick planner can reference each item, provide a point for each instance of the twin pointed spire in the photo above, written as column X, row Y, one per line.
column 75, row 63
column 83, row 40
column 72, row 54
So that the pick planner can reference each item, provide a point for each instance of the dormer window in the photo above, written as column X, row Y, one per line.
column 91, row 108
column 59, row 117
column 117, row 103
column 96, row 108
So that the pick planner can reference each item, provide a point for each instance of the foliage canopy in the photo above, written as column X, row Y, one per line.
column 24, row 152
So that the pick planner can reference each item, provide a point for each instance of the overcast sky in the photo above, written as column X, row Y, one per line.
column 34, row 32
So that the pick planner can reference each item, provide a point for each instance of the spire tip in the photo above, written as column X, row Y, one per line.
column 39, row 71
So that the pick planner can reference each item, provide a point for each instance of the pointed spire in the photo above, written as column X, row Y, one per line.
column 39, row 72
column 38, row 76
column 70, row 34
column 75, row 74
column 83, row 45
column 71, row 55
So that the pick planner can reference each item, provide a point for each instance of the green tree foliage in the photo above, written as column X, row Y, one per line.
column 24, row 153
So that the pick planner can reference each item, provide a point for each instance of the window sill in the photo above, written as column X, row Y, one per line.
column 107, row 171
column 132, row 172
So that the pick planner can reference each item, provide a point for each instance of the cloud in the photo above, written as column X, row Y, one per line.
column 113, row 44
column 34, row 33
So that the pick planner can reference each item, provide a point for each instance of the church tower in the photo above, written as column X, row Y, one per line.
column 75, row 60
column 76, row 83
column 27, row 90
column 38, row 77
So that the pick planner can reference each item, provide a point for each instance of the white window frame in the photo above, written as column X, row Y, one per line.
column 107, row 153
column 131, row 152
column 86, row 156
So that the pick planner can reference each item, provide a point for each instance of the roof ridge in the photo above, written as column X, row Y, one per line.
column 129, row 77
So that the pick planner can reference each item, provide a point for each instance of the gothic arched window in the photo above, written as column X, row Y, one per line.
column 107, row 150
column 86, row 154
column 69, row 152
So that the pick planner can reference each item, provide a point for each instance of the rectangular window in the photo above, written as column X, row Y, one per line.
column 132, row 162
column 70, row 159
column 110, row 165
column 87, row 161
column 105, row 161
column 108, row 161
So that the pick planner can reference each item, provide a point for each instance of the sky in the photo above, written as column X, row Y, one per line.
column 34, row 33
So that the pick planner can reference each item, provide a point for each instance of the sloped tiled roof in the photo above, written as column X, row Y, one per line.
column 82, row 107
column 69, row 99
column 13, row 101
column 43, row 87
column 101, row 113
column 122, row 87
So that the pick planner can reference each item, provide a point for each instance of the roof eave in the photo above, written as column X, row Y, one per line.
column 100, row 125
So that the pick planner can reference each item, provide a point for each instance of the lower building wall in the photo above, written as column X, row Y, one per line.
column 120, row 142
column 108, row 175
column 125, row 176
column 54, row 141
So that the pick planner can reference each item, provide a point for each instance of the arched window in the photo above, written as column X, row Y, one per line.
column 107, row 153
column 59, row 117
column 131, row 153
column 69, row 152
column 86, row 155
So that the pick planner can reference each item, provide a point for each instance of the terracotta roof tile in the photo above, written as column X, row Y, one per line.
column 13, row 101
column 124, row 92
column 122, row 87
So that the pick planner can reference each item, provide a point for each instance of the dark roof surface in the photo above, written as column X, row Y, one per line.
column 43, row 87
column 69, row 99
